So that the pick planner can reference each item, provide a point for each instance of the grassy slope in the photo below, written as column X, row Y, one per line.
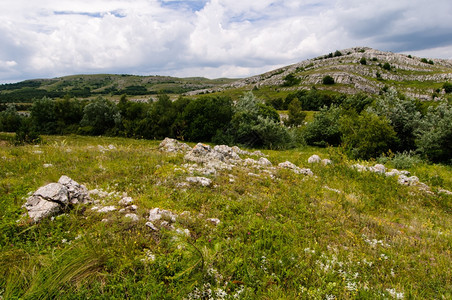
column 289, row 237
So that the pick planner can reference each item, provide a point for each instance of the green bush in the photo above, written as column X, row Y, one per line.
column 447, row 86
column 363, row 61
column 387, row 66
column 43, row 116
column 434, row 135
column 403, row 115
column 324, row 130
column 366, row 135
column 10, row 120
column 291, row 80
column 328, row 80
column 101, row 115
column 296, row 115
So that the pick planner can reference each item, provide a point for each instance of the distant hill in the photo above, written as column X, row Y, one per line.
column 84, row 86
column 354, row 70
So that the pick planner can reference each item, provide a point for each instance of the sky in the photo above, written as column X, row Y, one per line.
column 208, row 38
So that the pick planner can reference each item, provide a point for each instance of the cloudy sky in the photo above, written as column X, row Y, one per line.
column 210, row 38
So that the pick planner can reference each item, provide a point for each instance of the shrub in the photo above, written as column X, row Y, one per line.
column 387, row 66
column 403, row 115
column 291, row 80
column 43, row 116
column 363, row 61
column 366, row 135
column 10, row 120
column 100, row 116
column 328, row 80
column 434, row 135
column 324, row 130
column 447, row 86
column 296, row 115
column 254, row 124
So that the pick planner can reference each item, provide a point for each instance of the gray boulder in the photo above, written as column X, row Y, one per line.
column 47, row 201
column 54, row 198
column 172, row 145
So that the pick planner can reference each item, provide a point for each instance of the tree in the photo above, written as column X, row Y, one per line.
column 205, row 116
column 324, row 129
column 256, row 125
column 99, row 117
column 447, row 86
column 366, row 135
column 328, row 80
column 403, row 116
column 43, row 116
column 434, row 135
column 10, row 120
column 291, row 80
column 296, row 114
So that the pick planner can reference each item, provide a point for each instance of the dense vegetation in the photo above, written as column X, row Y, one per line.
column 362, row 125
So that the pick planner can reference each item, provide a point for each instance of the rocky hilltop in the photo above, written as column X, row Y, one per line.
column 354, row 70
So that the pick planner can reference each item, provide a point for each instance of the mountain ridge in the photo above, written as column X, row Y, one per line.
column 347, row 68
column 354, row 70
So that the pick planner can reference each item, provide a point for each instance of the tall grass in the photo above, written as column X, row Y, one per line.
column 340, row 233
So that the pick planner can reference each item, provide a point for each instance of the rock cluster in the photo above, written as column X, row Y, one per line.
column 55, row 197
column 207, row 160
column 403, row 177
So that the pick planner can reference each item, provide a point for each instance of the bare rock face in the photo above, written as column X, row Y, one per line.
column 54, row 198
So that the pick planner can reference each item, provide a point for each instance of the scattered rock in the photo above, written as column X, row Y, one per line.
column 125, row 201
column 295, row 169
column 214, row 221
column 104, row 209
column 152, row 226
column 443, row 191
column 378, row 168
column 326, row 162
column 264, row 162
column 133, row 217
column 78, row 193
column 201, row 180
column 47, row 166
column 409, row 181
column 54, row 198
column 314, row 159
column 172, row 145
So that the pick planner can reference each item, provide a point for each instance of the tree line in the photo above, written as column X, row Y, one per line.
column 364, row 126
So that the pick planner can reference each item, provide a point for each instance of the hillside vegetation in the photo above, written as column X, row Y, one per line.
column 341, row 187
column 339, row 234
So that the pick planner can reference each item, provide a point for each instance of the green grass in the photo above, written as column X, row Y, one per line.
column 339, row 233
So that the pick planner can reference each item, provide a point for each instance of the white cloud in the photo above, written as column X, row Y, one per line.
column 213, row 38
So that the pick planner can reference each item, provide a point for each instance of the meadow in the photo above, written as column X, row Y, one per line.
column 340, row 234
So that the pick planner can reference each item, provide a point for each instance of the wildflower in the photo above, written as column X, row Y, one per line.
column 395, row 294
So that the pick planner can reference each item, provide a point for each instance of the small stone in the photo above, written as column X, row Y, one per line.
column 201, row 180
column 326, row 162
column 106, row 209
column 47, row 166
column 134, row 217
column 214, row 221
column 152, row 226
column 125, row 201
column 314, row 159
column 264, row 162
